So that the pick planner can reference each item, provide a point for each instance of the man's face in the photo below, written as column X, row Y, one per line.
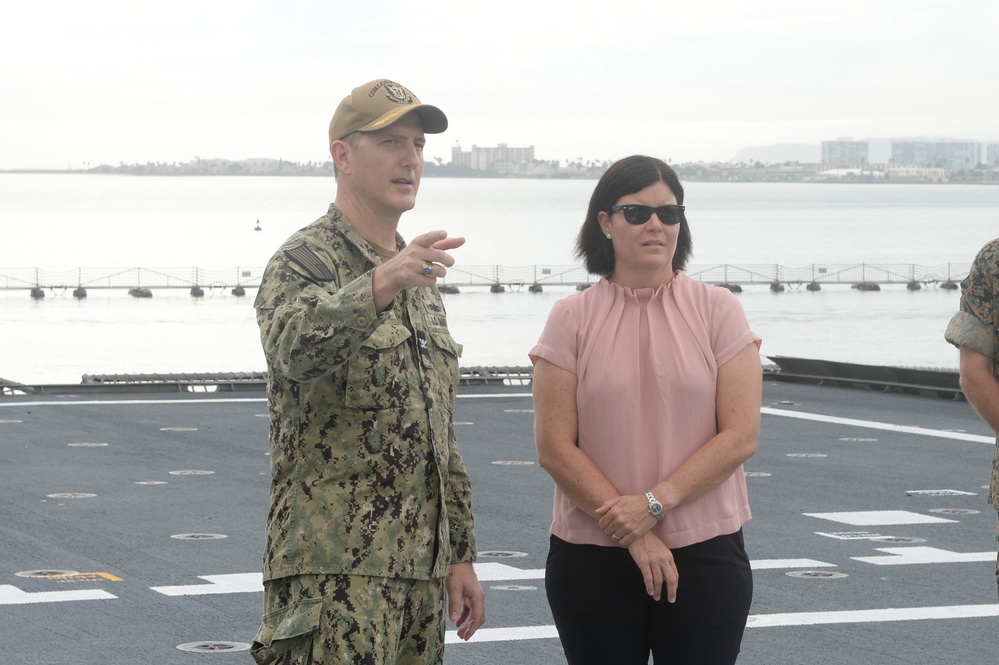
column 386, row 166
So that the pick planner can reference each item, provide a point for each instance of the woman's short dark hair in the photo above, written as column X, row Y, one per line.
column 627, row 176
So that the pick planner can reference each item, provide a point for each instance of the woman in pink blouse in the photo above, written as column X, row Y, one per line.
column 647, row 390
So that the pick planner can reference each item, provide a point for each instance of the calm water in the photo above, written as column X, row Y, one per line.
column 59, row 222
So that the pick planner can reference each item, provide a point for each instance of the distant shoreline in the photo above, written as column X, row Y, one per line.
column 688, row 172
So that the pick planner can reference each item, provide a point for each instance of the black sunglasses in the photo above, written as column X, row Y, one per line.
column 639, row 214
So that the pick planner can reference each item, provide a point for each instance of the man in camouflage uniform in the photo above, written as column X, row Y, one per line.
column 975, row 331
column 370, row 525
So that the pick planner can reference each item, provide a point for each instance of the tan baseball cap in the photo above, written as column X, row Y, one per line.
column 377, row 104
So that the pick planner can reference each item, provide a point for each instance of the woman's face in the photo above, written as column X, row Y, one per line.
column 647, row 247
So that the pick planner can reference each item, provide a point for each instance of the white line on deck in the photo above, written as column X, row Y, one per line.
column 767, row 621
column 870, row 424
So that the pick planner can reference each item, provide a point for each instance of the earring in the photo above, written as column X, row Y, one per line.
column 608, row 236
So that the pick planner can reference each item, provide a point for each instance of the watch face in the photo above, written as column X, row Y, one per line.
column 655, row 507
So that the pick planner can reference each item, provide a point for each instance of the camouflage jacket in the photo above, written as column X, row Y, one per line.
column 366, row 475
column 976, row 325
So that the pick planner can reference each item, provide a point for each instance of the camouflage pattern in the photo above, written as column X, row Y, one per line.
column 366, row 475
column 351, row 619
column 976, row 326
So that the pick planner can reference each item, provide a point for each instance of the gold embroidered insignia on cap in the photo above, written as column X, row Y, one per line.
column 394, row 92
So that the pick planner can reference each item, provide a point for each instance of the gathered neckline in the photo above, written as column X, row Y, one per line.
column 638, row 293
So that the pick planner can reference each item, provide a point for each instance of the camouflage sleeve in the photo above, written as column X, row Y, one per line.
column 974, row 326
column 966, row 329
column 459, row 507
column 307, row 327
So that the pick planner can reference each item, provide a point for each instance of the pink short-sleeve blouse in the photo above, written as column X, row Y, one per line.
column 646, row 363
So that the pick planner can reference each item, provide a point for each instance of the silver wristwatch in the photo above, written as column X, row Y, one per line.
column 655, row 508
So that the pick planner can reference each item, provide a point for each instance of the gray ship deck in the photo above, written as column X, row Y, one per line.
column 132, row 525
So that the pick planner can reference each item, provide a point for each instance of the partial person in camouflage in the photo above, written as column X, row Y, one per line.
column 975, row 331
column 370, row 532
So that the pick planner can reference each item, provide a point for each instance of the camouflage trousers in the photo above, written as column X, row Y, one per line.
column 351, row 620
column 997, row 557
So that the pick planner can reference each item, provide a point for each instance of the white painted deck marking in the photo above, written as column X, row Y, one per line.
column 504, row 634
column 901, row 556
column 138, row 402
column 874, row 616
column 217, row 584
column 11, row 595
column 881, row 518
column 500, row 572
column 781, row 564
column 766, row 621
column 849, row 535
column 871, row 424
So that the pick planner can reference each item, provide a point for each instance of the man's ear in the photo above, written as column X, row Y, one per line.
column 340, row 152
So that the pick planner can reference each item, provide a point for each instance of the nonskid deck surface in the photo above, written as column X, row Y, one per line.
column 132, row 525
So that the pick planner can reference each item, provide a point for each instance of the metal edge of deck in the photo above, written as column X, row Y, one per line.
column 909, row 380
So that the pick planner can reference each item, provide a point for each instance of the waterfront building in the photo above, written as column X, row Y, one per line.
column 502, row 159
column 947, row 154
column 845, row 152
column 915, row 174
column 992, row 155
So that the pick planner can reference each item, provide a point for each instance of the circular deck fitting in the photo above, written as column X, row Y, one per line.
column 71, row 495
column 955, row 511
column 178, row 429
column 816, row 574
column 807, row 455
column 84, row 444
column 199, row 536
column 46, row 573
column 514, row 587
column 897, row 539
column 758, row 474
column 214, row 646
column 501, row 554
column 513, row 463
column 191, row 472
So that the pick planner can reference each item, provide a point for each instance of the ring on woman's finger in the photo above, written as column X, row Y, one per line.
column 427, row 267
column 615, row 537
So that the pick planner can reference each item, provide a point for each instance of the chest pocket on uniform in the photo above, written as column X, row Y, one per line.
column 379, row 375
column 443, row 368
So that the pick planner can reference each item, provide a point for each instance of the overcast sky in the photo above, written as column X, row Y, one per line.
column 135, row 81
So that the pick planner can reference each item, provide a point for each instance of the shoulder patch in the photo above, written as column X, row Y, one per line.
column 312, row 264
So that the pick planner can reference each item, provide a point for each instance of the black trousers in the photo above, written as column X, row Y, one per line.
column 604, row 615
